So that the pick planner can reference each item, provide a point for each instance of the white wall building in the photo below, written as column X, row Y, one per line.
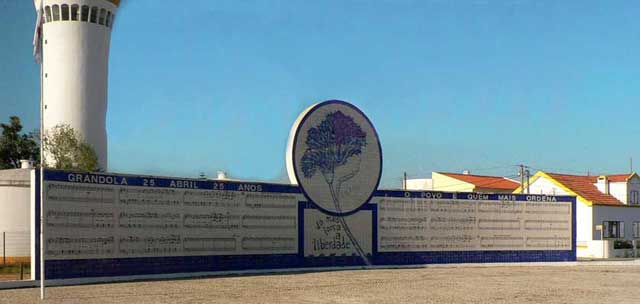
column 607, row 209
column 15, row 211
column 75, row 39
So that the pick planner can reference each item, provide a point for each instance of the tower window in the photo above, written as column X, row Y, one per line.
column 94, row 15
column 65, row 12
column 107, row 21
column 47, row 13
column 103, row 14
column 74, row 12
column 113, row 19
column 56, row 13
column 84, row 16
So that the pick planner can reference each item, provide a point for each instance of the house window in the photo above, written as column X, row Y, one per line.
column 636, row 230
column 634, row 198
column 613, row 230
column 85, row 13
column 74, row 12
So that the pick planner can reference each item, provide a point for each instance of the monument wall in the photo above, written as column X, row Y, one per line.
column 111, row 225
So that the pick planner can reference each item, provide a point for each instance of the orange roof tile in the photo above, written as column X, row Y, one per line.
column 616, row 178
column 584, row 186
column 483, row 181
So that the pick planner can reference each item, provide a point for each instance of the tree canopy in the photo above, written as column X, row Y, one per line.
column 15, row 145
column 65, row 149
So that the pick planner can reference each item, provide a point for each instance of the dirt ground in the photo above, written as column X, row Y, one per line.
column 9, row 276
column 497, row 284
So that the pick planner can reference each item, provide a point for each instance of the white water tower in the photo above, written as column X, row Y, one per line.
column 74, row 38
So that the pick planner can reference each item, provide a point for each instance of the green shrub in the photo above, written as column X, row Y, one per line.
column 622, row 244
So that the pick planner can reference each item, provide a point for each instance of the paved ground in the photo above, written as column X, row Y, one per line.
column 505, row 284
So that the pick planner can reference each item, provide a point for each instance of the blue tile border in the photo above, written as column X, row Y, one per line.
column 66, row 269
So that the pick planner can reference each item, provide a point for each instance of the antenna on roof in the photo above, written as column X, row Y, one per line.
column 630, row 165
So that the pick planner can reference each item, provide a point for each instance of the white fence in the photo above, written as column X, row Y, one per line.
column 15, row 246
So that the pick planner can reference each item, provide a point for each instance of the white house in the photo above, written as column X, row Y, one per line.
column 607, row 212
column 465, row 182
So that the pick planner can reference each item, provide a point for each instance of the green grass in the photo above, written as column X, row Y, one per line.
column 14, row 269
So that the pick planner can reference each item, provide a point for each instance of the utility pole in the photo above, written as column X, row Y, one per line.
column 41, row 201
column 404, row 181
column 521, row 178
column 528, row 173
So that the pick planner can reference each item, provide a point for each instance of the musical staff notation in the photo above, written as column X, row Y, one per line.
column 270, row 222
column 79, row 219
column 79, row 246
column 471, row 225
column 149, row 222
column 150, row 197
column 224, row 199
column 80, row 193
column 268, row 243
column 209, row 244
column 212, row 220
column 270, row 201
column 135, row 245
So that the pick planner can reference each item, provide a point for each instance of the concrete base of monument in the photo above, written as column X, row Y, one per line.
column 81, row 281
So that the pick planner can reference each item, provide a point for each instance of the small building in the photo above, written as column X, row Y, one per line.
column 607, row 210
column 465, row 182
column 15, row 211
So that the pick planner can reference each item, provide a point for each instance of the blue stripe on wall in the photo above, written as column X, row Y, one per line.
column 66, row 269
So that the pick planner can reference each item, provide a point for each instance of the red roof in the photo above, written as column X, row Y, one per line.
column 483, row 181
column 584, row 187
column 616, row 178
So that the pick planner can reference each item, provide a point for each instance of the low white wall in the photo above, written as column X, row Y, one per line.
column 590, row 249
column 603, row 250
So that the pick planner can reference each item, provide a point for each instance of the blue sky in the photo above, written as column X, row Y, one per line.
column 449, row 85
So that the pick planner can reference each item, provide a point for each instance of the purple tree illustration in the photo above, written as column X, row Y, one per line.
column 331, row 145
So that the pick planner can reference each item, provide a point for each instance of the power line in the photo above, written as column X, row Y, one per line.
column 492, row 168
